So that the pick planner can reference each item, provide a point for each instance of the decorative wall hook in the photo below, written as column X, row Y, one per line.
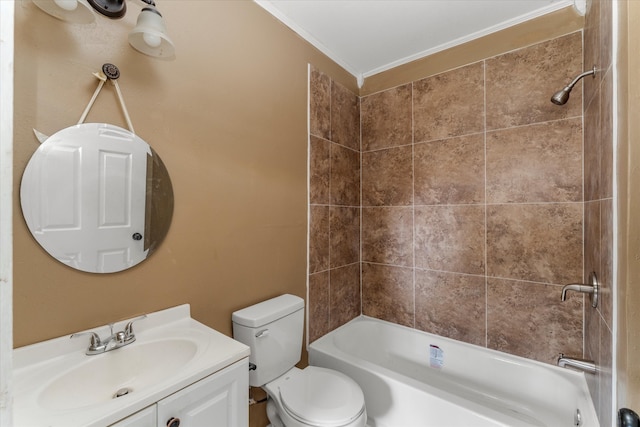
column 111, row 73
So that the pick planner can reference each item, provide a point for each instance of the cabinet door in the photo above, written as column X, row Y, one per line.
column 144, row 418
column 220, row 400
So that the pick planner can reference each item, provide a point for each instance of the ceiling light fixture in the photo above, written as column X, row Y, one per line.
column 149, row 36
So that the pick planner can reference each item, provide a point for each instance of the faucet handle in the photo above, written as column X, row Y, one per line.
column 94, row 342
column 128, row 330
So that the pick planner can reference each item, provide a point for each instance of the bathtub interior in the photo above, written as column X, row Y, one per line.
column 487, row 382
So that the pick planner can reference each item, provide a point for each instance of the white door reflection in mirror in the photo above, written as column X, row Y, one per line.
column 83, row 197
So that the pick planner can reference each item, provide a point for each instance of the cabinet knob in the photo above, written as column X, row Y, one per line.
column 173, row 422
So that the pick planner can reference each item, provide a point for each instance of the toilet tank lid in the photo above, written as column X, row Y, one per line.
column 267, row 311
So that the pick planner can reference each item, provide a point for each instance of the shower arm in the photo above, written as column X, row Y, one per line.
column 577, row 79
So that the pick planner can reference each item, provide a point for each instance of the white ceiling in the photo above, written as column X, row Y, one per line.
column 367, row 37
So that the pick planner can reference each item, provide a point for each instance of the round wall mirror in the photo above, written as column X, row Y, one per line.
column 97, row 198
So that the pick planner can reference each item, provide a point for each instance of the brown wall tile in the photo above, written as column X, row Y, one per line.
column 320, row 104
column 529, row 320
column 318, row 238
column 319, row 168
column 592, row 150
column 450, row 238
column 520, row 83
column 592, row 335
column 606, row 35
column 345, row 176
column 606, row 276
column 541, row 243
column 386, row 119
column 592, row 54
column 387, row 177
column 536, row 163
column 450, row 171
column 451, row 305
column 344, row 298
column 345, row 117
column 606, row 136
column 387, row 293
column 592, row 239
column 387, row 235
column 344, row 235
column 318, row 305
column 449, row 104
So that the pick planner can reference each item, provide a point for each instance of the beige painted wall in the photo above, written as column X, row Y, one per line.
column 229, row 119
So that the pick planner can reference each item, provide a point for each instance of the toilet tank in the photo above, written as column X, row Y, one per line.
column 273, row 331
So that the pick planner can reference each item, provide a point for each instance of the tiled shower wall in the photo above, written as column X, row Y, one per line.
column 334, row 211
column 598, row 206
column 471, row 205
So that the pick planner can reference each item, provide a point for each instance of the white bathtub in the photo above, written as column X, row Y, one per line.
column 407, row 382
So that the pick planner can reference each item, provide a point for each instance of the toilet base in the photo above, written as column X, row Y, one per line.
column 272, row 414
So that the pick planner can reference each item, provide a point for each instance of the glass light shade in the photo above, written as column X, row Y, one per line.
column 150, row 35
column 75, row 11
column 151, row 40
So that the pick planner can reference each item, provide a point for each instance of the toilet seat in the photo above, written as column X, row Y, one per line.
column 322, row 397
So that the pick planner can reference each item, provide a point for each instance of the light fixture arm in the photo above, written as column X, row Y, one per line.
column 115, row 8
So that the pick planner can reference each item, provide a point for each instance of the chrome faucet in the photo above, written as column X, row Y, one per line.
column 115, row 340
column 591, row 289
column 587, row 366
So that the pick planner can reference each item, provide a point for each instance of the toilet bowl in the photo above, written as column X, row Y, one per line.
column 315, row 397
column 309, row 397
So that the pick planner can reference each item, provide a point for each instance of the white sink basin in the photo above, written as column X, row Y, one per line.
column 57, row 384
column 123, row 371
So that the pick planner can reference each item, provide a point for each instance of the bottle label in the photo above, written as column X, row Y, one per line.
column 436, row 357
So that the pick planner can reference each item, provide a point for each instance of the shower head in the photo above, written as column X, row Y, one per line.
column 562, row 96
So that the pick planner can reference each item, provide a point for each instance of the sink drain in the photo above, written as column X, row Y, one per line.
column 122, row 392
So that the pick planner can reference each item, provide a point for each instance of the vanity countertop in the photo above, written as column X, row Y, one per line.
column 56, row 384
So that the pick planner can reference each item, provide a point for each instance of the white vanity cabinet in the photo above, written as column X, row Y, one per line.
column 219, row 400
column 176, row 368
column 145, row 418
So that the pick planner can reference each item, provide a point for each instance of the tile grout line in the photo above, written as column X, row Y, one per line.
column 361, row 228
column 486, row 280
column 413, row 207
column 307, row 305
column 483, row 132
column 330, row 204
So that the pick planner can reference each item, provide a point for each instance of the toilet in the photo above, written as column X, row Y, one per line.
column 312, row 396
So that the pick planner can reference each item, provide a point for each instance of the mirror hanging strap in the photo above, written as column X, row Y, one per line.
column 109, row 72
